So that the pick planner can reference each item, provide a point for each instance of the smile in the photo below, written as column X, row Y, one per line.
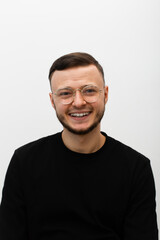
column 79, row 114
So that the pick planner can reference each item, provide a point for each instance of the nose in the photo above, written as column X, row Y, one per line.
column 78, row 100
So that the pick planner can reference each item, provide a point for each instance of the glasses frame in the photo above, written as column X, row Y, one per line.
column 78, row 89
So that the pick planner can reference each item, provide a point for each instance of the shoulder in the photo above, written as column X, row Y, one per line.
column 125, row 155
column 124, row 149
column 34, row 154
column 38, row 148
column 130, row 162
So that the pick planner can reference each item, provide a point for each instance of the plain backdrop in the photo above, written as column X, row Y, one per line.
column 123, row 35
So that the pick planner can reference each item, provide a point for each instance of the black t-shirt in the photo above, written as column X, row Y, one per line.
column 53, row 193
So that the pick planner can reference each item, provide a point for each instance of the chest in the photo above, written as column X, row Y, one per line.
column 61, row 192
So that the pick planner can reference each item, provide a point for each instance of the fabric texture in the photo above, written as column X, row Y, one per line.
column 51, row 192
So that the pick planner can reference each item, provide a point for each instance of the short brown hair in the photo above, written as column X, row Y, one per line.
column 74, row 60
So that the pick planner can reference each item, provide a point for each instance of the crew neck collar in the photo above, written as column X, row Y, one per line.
column 84, row 154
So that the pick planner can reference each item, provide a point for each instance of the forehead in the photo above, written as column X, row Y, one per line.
column 76, row 77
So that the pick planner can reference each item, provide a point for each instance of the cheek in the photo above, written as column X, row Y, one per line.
column 61, row 109
column 101, row 103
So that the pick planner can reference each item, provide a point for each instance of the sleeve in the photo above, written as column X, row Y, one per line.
column 13, row 224
column 141, row 219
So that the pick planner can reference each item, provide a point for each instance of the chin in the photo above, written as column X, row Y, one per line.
column 81, row 131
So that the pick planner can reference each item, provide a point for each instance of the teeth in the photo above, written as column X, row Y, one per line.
column 79, row 114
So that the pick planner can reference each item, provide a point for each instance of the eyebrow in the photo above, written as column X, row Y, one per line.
column 68, row 87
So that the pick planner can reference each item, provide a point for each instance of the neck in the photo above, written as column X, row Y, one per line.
column 87, row 143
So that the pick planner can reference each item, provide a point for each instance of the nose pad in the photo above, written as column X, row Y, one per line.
column 78, row 99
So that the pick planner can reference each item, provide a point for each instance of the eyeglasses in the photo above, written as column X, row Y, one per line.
column 89, row 93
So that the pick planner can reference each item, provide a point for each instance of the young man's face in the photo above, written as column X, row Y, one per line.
column 71, row 115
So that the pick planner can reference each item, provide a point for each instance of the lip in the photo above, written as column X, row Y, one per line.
column 82, row 118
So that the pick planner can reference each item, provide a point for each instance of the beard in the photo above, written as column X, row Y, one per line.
column 98, row 118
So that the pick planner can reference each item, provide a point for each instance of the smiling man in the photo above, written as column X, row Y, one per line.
column 79, row 183
column 79, row 97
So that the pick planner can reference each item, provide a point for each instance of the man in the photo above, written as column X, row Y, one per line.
column 79, row 183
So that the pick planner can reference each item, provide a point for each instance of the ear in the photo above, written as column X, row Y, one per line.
column 51, row 99
column 106, row 94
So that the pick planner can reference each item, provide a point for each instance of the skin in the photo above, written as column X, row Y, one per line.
column 80, row 134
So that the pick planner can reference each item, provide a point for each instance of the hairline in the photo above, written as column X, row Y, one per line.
column 72, row 67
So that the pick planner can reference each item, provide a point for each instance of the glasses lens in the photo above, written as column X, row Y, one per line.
column 90, row 93
column 65, row 95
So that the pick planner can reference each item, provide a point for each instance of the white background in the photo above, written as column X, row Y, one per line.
column 123, row 35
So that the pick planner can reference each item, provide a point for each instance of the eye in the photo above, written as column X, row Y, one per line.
column 90, row 91
column 64, row 93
